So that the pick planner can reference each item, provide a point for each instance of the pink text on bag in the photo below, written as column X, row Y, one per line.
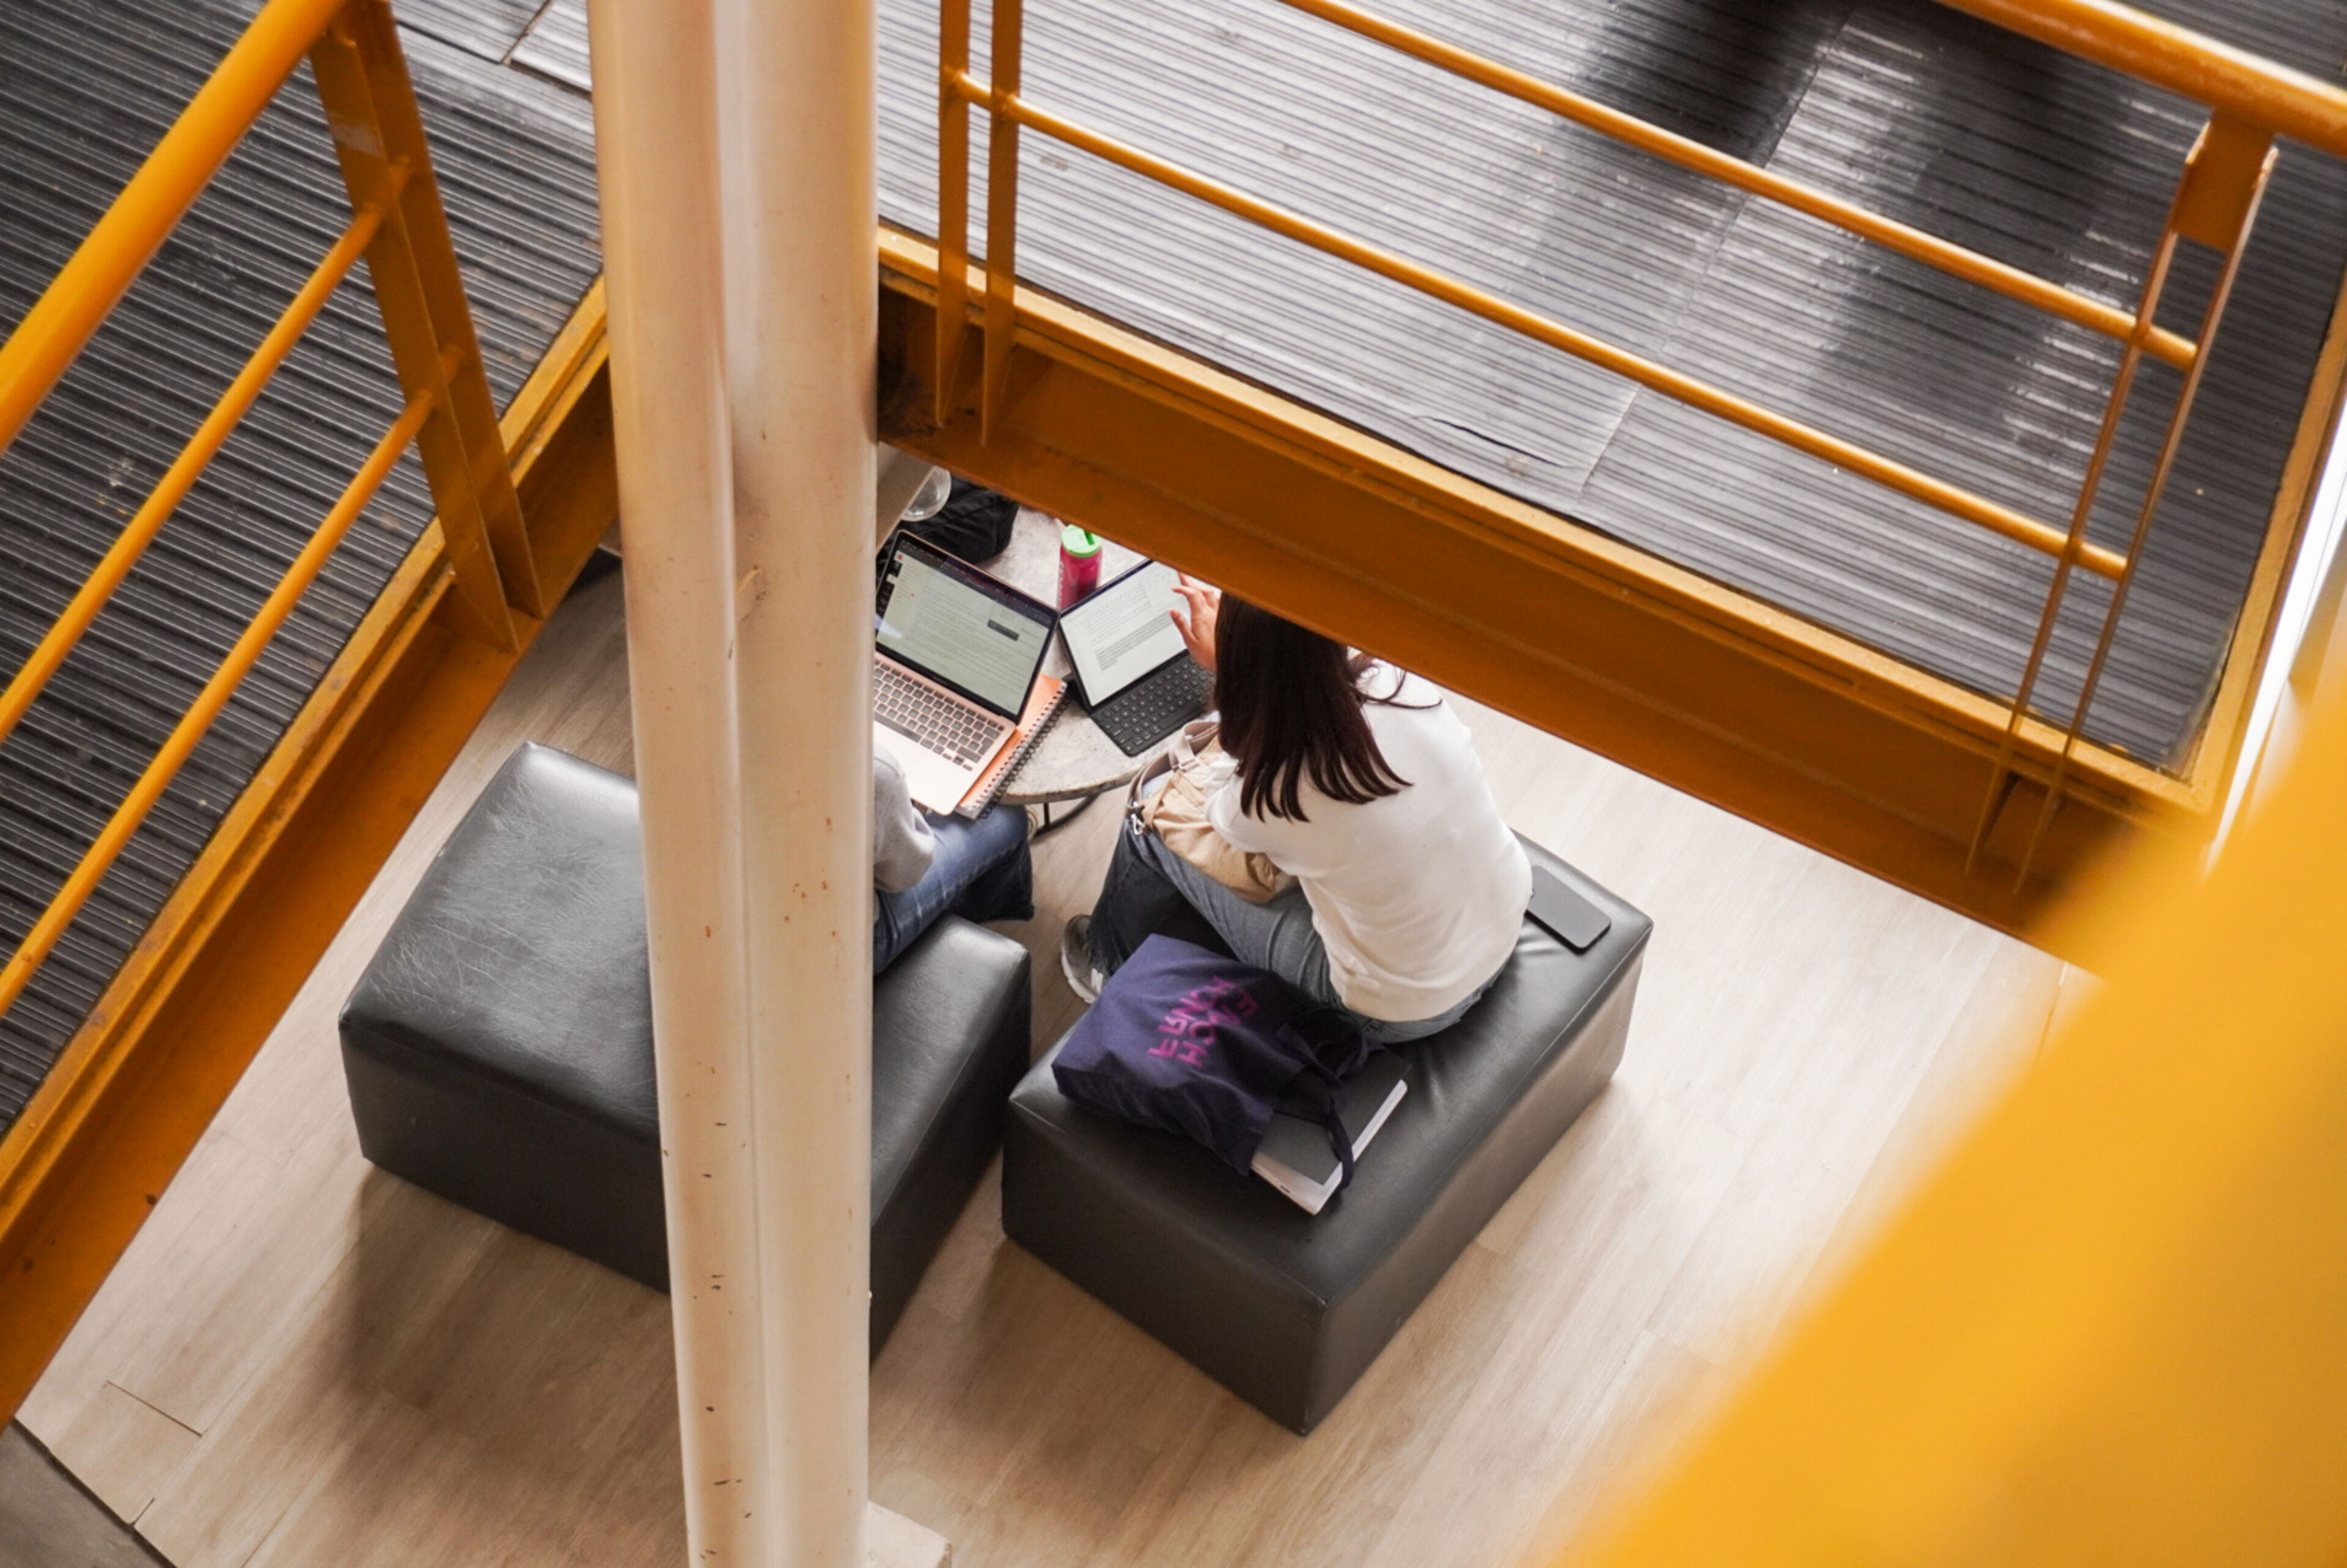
column 1184, row 1033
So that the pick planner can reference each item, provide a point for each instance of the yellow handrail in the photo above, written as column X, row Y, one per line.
column 1687, row 153
column 215, row 695
column 2231, row 80
column 177, row 480
column 53, row 333
column 1888, row 472
column 399, row 227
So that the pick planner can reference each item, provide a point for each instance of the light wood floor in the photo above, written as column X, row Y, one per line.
column 303, row 1361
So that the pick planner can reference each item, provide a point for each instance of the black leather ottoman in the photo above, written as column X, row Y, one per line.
column 1286, row 1310
column 499, row 1047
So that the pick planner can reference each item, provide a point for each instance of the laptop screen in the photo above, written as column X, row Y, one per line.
column 1123, row 632
column 958, row 626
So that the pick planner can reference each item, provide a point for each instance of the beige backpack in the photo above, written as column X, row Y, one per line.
column 1177, row 814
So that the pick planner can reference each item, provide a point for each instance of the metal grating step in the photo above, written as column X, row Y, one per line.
column 86, row 89
column 1953, row 124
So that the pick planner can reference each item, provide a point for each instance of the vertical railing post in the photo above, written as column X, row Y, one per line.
column 1001, row 214
column 2215, row 204
column 953, row 197
column 2082, row 512
column 371, row 107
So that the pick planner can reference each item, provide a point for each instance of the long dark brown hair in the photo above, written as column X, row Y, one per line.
column 1291, row 703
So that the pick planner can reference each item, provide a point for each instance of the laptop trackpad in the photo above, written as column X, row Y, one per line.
column 936, row 784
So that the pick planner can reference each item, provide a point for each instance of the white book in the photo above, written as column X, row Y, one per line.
column 1294, row 1156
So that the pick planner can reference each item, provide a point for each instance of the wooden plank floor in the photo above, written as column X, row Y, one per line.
column 304, row 1361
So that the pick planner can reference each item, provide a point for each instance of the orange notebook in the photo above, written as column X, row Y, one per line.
column 1043, row 707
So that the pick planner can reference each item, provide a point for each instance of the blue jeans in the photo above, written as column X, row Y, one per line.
column 982, row 873
column 1277, row 935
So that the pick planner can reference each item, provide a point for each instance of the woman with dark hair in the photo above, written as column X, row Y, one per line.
column 1356, row 780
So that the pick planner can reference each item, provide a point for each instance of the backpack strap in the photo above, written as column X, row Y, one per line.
column 1314, row 1033
column 1180, row 753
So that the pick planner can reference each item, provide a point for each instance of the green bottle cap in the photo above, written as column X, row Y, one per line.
column 1078, row 542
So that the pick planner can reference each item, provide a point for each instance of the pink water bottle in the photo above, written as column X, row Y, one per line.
column 1079, row 561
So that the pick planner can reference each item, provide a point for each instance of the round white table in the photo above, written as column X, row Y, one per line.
column 1074, row 760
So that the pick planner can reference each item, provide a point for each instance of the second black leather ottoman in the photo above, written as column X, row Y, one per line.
column 499, row 1047
column 1287, row 1309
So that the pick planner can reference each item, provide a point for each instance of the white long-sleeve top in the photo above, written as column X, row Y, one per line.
column 902, row 844
column 1417, row 895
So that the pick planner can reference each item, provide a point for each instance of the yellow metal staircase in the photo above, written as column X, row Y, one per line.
column 521, row 503
column 1975, row 800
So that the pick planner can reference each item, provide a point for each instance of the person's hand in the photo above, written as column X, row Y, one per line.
column 1195, row 616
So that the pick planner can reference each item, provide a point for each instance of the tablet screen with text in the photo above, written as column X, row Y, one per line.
column 1123, row 632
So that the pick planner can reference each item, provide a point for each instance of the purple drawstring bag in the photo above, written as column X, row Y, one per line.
column 1200, row 1044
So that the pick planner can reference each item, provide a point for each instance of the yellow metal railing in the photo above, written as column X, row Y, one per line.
column 2215, row 204
column 397, row 225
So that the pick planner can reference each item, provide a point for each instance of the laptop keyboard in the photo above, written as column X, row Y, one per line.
column 1143, row 714
column 948, row 727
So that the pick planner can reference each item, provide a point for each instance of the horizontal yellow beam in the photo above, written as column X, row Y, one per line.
column 2080, row 310
column 1885, row 471
column 50, row 338
column 2234, row 80
column 2109, row 1329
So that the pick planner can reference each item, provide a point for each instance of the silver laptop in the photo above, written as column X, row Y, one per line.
column 956, row 652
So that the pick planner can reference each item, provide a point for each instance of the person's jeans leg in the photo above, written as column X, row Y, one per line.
column 1002, row 886
column 1277, row 935
column 1136, row 901
column 1381, row 1032
column 981, row 872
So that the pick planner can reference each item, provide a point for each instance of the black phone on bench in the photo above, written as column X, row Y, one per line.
column 1564, row 913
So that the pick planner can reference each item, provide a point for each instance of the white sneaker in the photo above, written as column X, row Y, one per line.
column 1076, row 959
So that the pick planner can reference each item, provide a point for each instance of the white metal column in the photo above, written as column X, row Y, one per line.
column 797, row 124
column 734, row 145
